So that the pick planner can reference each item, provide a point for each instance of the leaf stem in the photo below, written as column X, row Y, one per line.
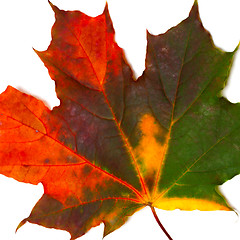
column 159, row 223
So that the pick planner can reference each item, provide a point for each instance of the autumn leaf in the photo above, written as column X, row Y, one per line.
column 116, row 145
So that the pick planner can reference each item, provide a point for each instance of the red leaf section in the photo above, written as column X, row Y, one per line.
column 78, row 150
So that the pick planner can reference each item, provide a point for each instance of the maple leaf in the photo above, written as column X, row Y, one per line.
column 115, row 145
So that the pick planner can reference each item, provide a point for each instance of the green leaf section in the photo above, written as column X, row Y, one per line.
column 204, row 140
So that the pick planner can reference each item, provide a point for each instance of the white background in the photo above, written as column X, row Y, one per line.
column 25, row 24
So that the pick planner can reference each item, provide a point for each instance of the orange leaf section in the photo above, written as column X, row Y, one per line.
column 24, row 140
column 31, row 152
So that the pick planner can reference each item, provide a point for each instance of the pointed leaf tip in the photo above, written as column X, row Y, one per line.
column 21, row 224
column 36, row 51
column 149, row 36
column 54, row 8
column 108, row 19
column 50, row 4
column 106, row 11
column 194, row 11
column 237, row 47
